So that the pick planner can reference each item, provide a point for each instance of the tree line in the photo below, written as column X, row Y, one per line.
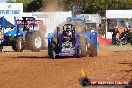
column 82, row 6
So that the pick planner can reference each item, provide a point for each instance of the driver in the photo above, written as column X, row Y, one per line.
column 26, row 28
column 68, row 32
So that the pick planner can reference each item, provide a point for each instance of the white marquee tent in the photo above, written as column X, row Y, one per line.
column 116, row 14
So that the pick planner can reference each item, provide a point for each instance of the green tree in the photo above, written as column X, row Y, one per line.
column 83, row 6
column 25, row 3
column 31, row 5
column 35, row 5
column 99, row 6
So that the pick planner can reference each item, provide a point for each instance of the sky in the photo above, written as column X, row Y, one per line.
column 3, row 1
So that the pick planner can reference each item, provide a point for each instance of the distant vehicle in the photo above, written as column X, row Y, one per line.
column 122, row 36
column 22, row 36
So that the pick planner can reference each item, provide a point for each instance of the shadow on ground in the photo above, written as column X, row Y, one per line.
column 128, row 87
column 33, row 57
column 45, row 57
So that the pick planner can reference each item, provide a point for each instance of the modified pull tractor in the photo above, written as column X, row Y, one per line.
column 68, row 42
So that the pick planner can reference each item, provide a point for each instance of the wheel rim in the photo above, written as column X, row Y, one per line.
column 38, row 42
column 20, row 44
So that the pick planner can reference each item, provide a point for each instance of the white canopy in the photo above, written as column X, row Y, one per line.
column 118, row 13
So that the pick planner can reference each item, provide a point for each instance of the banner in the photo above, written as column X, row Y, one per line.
column 15, row 9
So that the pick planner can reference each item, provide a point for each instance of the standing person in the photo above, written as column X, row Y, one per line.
column 78, row 28
column 127, row 24
column 115, row 35
column 0, row 32
column 25, row 30
column 86, row 27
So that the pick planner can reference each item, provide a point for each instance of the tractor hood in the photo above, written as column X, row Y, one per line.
column 13, row 33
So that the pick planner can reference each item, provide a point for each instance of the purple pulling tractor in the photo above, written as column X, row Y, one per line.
column 69, row 42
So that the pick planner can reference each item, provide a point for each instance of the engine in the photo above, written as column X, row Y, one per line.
column 67, row 45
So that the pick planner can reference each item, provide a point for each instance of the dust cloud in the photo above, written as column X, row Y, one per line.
column 104, row 50
column 53, row 5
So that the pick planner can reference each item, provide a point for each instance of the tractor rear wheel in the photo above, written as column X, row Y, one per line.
column 131, row 41
column 78, row 53
column 18, row 45
column 83, row 46
column 1, row 48
column 35, row 42
column 92, row 51
column 53, row 54
column 52, row 48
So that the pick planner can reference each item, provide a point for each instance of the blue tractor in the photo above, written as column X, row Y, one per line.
column 71, row 42
column 22, row 35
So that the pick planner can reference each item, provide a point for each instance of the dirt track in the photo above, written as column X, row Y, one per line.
column 36, row 70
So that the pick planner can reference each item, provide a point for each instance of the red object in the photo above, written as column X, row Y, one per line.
column 104, row 40
column 109, row 40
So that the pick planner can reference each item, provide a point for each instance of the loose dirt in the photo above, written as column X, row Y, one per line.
column 35, row 70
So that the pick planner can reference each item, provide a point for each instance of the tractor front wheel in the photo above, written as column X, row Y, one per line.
column 18, row 45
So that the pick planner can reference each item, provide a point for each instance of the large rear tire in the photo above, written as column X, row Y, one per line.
column 92, row 51
column 18, row 45
column 130, row 37
column 78, row 53
column 83, row 46
column 53, row 48
column 53, row 56
column 36, row 42
column 1, row 48
column 131, row 41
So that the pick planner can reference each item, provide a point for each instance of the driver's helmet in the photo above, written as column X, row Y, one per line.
column 68, row 27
